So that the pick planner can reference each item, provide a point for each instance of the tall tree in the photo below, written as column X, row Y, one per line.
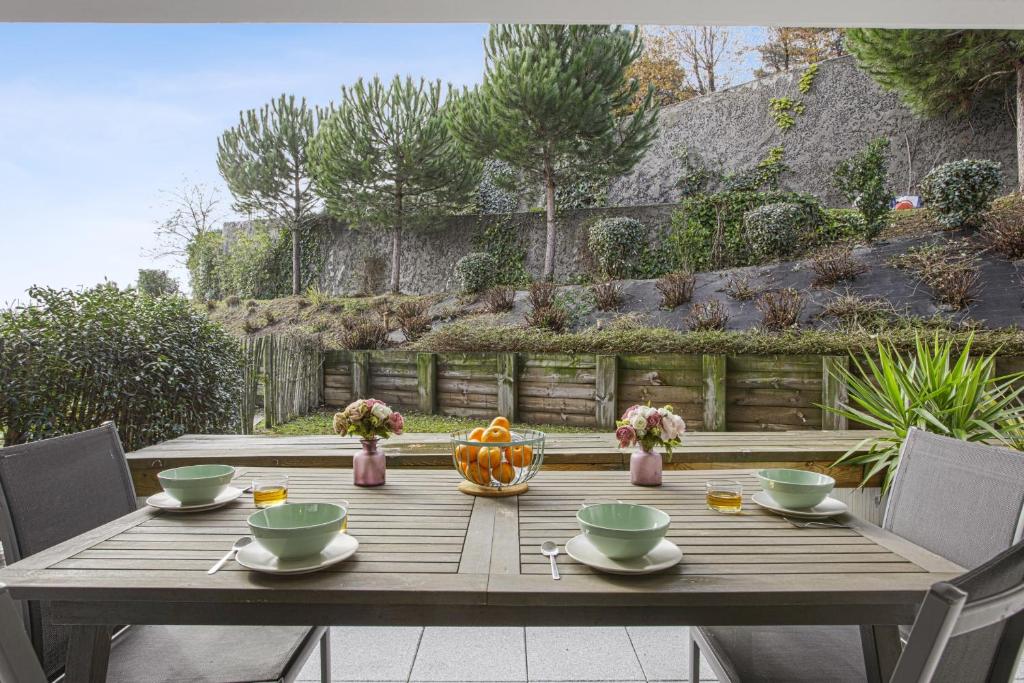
column 658, row 67
column 945, row 70
column 385, row 156
column 702, row 50
column 787, row 47
column 547, row 106
column 263, row 161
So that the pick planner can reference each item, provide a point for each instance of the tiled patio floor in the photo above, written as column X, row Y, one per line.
column 477, row 655
column 449, row 655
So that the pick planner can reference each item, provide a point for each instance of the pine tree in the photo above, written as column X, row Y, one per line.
column 939, row 71
column 264, row 163
column 385, row 157
column 548, row 104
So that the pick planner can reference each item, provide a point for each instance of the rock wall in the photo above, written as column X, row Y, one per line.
column 429, row 254
column 844, row 110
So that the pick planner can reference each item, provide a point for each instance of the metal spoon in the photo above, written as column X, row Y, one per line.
column 550, row 551
column 239, row 544
column 808, row 525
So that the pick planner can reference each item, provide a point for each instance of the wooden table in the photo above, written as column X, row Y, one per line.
column 809, row 449
column 430, row 555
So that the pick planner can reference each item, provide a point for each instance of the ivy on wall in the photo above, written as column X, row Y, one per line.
column 784, row 111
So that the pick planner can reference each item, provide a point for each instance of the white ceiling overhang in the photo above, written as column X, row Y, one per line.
column 879, row 13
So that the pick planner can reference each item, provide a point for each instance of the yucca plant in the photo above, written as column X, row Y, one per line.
column 932, row 389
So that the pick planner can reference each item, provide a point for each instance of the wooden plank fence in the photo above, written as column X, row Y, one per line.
column 712, row 392
column 287, row 372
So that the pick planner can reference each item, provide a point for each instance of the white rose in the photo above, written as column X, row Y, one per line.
column 668, row 429
column 679, row 424
column 381, row 411
column 663, row 411
column 639, row 423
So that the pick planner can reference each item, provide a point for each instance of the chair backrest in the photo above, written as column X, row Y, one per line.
column 17, row 659
column 53, row 490
column 971, row 628
column 961, row 500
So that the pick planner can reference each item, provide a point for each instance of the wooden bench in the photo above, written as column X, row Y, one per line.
column 807, row 449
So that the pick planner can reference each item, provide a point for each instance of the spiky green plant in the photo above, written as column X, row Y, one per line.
column 932, row 389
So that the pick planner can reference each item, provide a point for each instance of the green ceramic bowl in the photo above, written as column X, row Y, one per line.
column 623, row 531
column 297, row 529
column 796, row 489
column 196, row 484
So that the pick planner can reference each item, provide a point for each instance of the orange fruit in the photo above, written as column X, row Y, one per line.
column 478, row 473
column 497, row 434
column 504, row 473
column 501, row 421
column 478, row 436
column 489, row 457
column 520, row 456
column 465, row 454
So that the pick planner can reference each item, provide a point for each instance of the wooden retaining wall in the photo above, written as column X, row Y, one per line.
column 712, row 392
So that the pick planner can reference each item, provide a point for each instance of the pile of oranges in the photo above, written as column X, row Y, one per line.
column 482, row 463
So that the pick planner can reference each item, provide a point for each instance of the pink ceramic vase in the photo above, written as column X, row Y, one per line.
column 645, row 468
column 369, row 465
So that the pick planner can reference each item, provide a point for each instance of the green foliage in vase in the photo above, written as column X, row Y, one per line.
column 264, row 162
column 154, row 365
column 931, row 388
column 385, row 157
column 862, row 180
column 550, row 104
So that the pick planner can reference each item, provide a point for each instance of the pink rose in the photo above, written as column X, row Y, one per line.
column 653, row 420
column 396, row 422
column 629, row 412
column 626, row 436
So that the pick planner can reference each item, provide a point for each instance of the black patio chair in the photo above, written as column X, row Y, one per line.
column 55, row 489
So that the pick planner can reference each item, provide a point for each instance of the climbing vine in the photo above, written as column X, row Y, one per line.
column 784, row 111
column 807, row 79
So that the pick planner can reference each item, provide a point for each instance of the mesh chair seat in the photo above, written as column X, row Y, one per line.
column 790, row 654
column 204, row 654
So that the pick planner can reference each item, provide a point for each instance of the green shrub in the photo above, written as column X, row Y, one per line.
column 694, row 176
column 774, row 230
column 205, row 262
column 153, row 282
column 930, row 389
column 707, row 230
column 959, row 192
column 154, row 365
column 841, row 225
column 762, row 177
column 617, row 244
column 476, row 272
column 861, row 179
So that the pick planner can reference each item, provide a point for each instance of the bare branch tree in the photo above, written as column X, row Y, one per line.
column 701, row 50
column 194, row 209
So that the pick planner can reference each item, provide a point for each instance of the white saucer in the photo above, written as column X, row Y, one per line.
column 830, row 507
column 664, row 555
column 164, row 501
column 256, row 557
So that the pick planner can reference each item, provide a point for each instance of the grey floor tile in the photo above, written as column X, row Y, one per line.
column 664, row 653
column 581, row 654
column 471, row 654
column 367, row 653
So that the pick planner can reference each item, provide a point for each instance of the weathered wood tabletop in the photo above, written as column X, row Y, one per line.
column 431, row 555
column 811, row 449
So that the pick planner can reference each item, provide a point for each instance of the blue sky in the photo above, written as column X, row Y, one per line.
column 97, row 120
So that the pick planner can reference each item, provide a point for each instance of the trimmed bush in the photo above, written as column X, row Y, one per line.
column 476, row 272
column 617, row 244
column 707, row 230
column 961, row 191
column 154, row 365
column 774, row 230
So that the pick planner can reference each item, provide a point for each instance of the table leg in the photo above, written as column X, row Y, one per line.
column 88, row 654
column 881, row 651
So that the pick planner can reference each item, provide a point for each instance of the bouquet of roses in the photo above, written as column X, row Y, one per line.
column 650, row 427
column 368, row 419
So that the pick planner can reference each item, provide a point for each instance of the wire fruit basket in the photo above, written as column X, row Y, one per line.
column 497, row 468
